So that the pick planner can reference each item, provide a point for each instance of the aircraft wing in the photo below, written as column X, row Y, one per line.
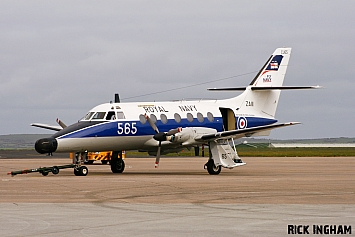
column 247, row 132
column 46, row 126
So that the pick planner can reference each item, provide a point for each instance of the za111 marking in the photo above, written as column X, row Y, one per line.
column 126, row 128
column 249, row 103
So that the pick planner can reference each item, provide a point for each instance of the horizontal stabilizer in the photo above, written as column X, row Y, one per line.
column 228, row 89
column 46, row 126
column 247, row 132
column 265, row 88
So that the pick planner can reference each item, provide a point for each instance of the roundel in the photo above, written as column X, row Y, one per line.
column 242, row 123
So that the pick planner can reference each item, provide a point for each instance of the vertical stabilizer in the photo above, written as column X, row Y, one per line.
column 272, row 74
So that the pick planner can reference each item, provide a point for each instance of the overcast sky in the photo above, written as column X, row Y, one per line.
column 61, row 58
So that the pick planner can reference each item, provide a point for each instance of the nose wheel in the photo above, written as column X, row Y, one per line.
column 81, row 171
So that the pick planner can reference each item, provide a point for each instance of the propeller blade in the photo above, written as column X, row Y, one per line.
column 174, row 131
column 61, row 123
column 151, row 123
column 157, row 158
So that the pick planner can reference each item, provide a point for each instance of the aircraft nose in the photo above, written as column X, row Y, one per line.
column 46, row 145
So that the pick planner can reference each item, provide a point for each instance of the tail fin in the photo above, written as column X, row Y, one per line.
column 262, row 95
column 274, row 70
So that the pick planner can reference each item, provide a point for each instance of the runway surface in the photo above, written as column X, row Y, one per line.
column 177, row 199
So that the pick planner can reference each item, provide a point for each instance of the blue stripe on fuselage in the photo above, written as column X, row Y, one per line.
column 136, row 128
column 256, row 122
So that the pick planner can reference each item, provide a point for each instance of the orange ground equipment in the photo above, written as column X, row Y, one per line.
column 104, row 157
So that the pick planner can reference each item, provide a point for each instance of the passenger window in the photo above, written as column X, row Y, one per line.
column 99, row 115
column 111, row 115
column 120, row 115
column 190, row 117
column 200, row 117
column 210, row 117
column 177, row 117
column 142, row 119
column 153, row 118
column 163, row 118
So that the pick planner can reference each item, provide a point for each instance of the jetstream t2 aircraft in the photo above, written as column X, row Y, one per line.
column 164, row 127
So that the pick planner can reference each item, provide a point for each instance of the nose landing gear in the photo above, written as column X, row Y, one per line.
column 79, row 169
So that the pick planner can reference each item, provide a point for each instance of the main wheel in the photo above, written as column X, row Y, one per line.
column 212, row 169
column 117, row 164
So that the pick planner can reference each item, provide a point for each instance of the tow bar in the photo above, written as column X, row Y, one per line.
column 78, row 170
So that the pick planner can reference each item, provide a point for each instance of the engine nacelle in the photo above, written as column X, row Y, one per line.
column 190, row 136
column 180, row 137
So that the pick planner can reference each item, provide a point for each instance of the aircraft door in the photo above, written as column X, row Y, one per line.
column 228, row 117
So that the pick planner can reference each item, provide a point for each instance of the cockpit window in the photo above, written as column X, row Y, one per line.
column 99, row 115
column 88, row 116
column 120, row 115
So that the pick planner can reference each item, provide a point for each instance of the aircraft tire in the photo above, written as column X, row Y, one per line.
column 76, row 172
column 83, row 171
column 117, row 164
column 212, row 169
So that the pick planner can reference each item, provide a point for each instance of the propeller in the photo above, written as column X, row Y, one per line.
column 151, row 123
column 160, row 136
column 61, row 123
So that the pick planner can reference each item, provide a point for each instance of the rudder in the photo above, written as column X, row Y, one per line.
column 272, row 74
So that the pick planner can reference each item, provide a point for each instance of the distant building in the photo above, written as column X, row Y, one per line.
column 293, row 145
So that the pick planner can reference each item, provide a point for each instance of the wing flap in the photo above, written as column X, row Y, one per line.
column 247, row 132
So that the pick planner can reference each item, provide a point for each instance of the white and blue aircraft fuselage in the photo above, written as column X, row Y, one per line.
column 164, row 127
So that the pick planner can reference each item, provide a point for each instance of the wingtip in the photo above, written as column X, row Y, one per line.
column 294, row 123
column 317, row 87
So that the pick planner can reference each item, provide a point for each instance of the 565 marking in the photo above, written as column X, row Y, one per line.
column 126, row 128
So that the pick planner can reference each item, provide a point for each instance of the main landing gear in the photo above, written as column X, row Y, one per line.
column 212, row 168
column 117, row 163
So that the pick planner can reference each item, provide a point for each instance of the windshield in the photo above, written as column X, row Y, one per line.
column 99, row 115
column 88, row 115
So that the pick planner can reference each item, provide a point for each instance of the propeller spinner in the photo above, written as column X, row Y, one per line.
column 161, row 136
